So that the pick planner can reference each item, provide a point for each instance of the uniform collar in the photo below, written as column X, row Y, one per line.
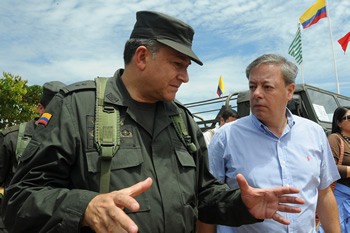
column 116, row 92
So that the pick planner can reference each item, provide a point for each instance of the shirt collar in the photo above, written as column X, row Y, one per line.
column 263, row 128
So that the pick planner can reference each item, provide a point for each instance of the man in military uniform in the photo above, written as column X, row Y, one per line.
column 13, row 140
column 156, row 179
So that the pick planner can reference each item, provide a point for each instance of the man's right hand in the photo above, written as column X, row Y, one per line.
column 105, row 212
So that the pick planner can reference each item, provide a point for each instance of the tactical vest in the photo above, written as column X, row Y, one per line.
column 107, row 133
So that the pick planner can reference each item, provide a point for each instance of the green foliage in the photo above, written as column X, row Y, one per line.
column 18, row 102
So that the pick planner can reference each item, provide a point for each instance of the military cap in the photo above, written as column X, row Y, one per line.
column 49, row 90
column 166, row 30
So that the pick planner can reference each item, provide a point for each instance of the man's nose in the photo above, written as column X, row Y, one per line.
column 183, row 76
column 257, row 93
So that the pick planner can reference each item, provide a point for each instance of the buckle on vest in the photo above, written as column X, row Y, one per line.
column 107, row 150
column 108, row 109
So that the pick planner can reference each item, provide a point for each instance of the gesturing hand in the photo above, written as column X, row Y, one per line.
column 105, row 212
column 264, row 203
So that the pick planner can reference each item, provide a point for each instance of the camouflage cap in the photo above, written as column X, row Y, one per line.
column 49, row 90
column 166, row 30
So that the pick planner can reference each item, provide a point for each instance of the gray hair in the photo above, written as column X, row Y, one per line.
column 132, row 44
column 289, row 70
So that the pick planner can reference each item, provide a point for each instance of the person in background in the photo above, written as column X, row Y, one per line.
column 339, row 140
column 13, row 140
column 228, row 115
column 155, row 180
column 272, row 148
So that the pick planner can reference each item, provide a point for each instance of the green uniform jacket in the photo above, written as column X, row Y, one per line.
column 59, row 171
column 8, row 162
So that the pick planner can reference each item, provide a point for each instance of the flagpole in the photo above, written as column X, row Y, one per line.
column 302, row 63
column 330, row 33
column 302, row 71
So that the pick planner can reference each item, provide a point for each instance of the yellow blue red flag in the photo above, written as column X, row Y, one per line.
column 316, row 12
column 45, row 118
column 221, row 88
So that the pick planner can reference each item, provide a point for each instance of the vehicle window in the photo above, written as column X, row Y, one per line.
column 343, row 102
column 324, row 104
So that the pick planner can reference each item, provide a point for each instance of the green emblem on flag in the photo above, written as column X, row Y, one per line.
column 295, row 49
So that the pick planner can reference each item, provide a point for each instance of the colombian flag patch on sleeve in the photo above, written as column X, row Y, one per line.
column 45, row 118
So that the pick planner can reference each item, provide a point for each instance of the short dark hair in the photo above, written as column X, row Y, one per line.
column 229, row 112
column 132, row 44
column 337, row 117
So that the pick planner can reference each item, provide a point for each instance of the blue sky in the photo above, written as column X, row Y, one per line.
column 75, row 40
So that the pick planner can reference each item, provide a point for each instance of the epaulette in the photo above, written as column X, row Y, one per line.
column 79, row 86
column 9, row 130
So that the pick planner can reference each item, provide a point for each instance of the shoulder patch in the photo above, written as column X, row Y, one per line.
column 79, row 86
column 45, row 118
column 9, row 130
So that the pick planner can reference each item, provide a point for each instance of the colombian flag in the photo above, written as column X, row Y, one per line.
column 221, row 88
column 314, row 14
column 45, row 118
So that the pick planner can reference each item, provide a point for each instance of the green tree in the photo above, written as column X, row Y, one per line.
column 18, row 102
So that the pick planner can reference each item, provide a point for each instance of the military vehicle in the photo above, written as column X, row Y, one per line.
column 308, row 101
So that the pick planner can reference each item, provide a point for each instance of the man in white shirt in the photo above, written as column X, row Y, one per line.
column 227, row 116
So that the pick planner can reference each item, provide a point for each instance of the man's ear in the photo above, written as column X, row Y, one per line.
column 41, row 109
column 222, row 121
column 140, row 57
column 290, row 89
